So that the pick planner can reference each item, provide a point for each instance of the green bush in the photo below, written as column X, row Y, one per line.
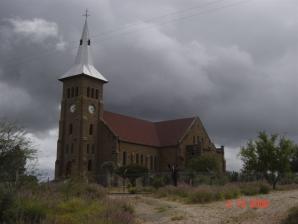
column 158, row 181
column 292, row 216
column 132, row 190
column 264, row 189
column 31, row 211
column 202, row 196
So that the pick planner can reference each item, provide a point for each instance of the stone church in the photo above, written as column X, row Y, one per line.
column 90, row 136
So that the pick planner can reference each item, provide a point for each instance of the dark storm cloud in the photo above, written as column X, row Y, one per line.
column 236, row 67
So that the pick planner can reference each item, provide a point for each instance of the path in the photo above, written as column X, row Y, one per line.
column 160, row 211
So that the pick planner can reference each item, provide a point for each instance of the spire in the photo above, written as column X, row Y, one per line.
column 83, row 62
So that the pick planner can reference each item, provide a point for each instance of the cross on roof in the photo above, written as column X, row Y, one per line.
column 86, row 14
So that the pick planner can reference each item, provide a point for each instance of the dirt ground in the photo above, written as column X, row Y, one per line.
column 162, row 211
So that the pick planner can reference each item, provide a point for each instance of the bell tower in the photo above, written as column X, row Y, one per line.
column 81, row 113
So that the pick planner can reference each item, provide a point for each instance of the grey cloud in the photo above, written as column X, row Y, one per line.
column 235, row 68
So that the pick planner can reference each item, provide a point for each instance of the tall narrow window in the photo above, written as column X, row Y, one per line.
column 96, row 93
column 151, row 162
column 90, row 165
column 124, row 158
column 72, row 92
column 68, row 92
column 194, row 140
column 88, row 91
column 87, row 148
column 142, row 159
column 92, row 93
column 91, row 129
column 93, row 149
column 146, row 161
column 137, row 158
column 131, row 158
column 155, row 163
column 198, row 140
column 77, row 91
column 70, row 129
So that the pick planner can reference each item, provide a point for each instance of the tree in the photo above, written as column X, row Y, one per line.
column 208, row 162
column 269, row 156
column 132, row 172
column 15, row 151
column 294, row 162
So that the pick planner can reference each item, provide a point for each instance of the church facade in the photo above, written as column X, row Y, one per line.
column 89, row 136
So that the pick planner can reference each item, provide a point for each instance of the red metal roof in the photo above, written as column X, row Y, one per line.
column 160, row 134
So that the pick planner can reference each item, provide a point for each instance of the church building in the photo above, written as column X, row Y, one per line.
column 90, row 136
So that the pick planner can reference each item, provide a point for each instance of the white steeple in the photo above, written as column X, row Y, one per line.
column 84, row 63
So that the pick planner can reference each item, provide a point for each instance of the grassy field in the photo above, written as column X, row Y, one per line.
column 63, row 203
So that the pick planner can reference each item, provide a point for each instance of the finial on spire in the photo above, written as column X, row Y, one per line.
column 86, row 14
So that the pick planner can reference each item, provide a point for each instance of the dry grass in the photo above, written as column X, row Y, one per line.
column 64, row 203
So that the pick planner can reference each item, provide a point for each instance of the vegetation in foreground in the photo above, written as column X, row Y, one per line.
column 292, row 216
column 209, row 193
column 63, row 203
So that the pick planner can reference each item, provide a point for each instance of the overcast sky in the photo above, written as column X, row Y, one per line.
column 233, row 63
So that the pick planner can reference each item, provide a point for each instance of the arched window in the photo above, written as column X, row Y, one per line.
column 96, row 93
column 68, row 168
column 77, row 91
column 142, row 159
column 90, row 165
column 91, row 129
column 124, row 158
column 87, row 148
column 151, row 162
column 88, row 91
column 70, row 129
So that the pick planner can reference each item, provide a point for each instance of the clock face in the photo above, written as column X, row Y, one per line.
column 72, row 108
column 91, row 109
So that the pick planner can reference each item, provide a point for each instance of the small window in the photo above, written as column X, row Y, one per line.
column 142, row 159
column 151, row 162
column 68, row 92
column 87, row 148
column 137, row 158
column 88, row 91
column 131, row 158
column 77, row 91
column 72, row 92
column 96, row 93
column 146, row 161
column 66, row 149
column 81, row 42
column 89, row 42
column 92, row 93
column 90, row 165
column 93, row 149
column 124, row 158
column 70, row 129
column 71, row 148
column 91, row 129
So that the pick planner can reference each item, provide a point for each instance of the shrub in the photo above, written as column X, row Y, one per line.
column 31, row 211
column 132, row 190
column 264, row 189
column 201, row 196
column 158, row 181
column 292, row 216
